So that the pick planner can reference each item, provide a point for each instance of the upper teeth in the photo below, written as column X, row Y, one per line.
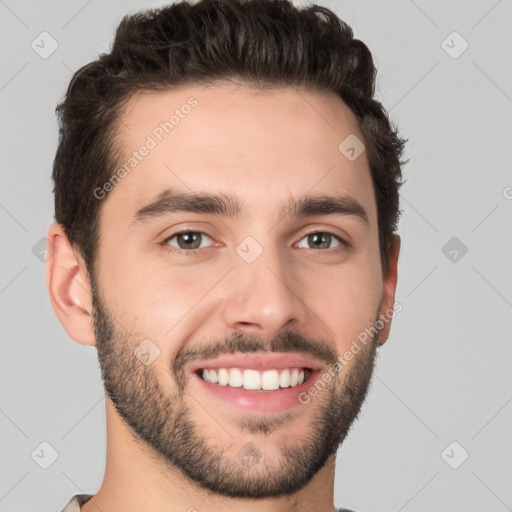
column 253, row 379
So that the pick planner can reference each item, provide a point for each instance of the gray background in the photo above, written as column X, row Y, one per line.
column 443, row 377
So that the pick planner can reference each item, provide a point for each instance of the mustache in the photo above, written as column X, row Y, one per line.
column 288, row 341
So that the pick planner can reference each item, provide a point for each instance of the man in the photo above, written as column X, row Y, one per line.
column 226, row 201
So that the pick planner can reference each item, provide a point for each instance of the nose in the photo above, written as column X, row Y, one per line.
column 263, row 297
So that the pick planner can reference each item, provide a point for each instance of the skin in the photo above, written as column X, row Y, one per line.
column 265, row 148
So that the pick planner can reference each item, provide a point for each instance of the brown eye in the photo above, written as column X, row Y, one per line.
column 322, row 240
column 187, row 240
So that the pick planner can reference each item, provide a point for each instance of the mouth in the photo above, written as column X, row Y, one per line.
column 251, row 383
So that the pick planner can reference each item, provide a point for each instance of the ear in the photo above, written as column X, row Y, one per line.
column 389, row 289
column 69, row 287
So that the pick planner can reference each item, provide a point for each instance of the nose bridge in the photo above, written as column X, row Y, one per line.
column 261, row 297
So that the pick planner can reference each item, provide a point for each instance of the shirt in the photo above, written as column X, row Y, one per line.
column 80, row 499
column 76, row 502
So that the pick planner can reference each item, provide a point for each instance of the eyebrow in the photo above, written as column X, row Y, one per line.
column 174, row 201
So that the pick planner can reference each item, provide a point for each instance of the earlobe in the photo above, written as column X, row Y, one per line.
column 69, row 287
column 389, row 289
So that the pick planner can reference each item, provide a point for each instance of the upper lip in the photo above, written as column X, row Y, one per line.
column 268, row 361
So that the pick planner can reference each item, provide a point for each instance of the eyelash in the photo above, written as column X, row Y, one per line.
column 190, row 252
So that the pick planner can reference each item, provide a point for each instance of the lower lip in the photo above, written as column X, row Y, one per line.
column 276, row 401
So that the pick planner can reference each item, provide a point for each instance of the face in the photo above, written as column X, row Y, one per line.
column 238, row 261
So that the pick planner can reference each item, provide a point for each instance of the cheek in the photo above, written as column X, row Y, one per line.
column 155, row 298
column 345, row 299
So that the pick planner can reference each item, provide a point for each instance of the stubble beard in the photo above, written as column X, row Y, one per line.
column 163, row 423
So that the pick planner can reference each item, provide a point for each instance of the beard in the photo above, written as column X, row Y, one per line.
column 162, row 419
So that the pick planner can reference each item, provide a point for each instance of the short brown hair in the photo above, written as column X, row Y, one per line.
column 266, row 43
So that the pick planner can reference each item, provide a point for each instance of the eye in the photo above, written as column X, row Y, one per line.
column 186, row 240
column 322, row 240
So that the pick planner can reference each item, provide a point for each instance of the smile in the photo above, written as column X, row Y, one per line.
column 254, row 380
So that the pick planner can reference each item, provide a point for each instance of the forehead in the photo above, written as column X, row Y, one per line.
column 260, row 145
